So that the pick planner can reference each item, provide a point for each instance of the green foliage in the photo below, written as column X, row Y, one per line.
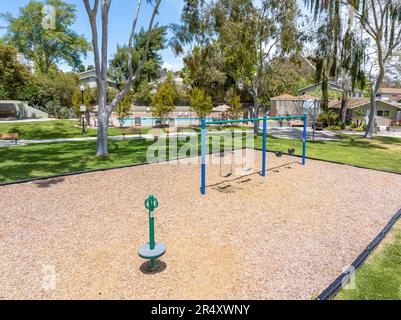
column 118, row 64
column 47, row 46
column 90, row 97
column 13, row 75
column 200, row 102
column 204, row 68
column 144, row 94
column 163, row 101
column 52, row 93
column 3, row 93
column 331, row 94
column 123, row 109
column 328, row 118
column 235, row 40
column 234, row 102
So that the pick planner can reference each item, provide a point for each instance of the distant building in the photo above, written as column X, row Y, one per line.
column 356, row 93
column 28, row 63
column 392, row 94
column 289, row 105
column 89, row 78
column 387, row 113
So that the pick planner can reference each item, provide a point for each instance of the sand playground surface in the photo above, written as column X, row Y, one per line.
column 284, row 236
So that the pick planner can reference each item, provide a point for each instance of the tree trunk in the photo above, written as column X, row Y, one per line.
column 103, row 117
column 102, row 135
column 255, row 113
column 325, row 94
column 374, row 90
column 344, row 106
column 371, row 122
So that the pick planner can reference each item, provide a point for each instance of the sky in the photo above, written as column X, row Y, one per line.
column 121, row 17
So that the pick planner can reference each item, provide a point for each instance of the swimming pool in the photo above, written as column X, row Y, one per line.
column 129, row 121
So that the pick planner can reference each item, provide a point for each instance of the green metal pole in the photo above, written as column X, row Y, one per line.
column 151, row 237
column 151, row 203
column 151, row 230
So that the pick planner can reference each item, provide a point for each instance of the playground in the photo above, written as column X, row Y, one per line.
column 287, row 235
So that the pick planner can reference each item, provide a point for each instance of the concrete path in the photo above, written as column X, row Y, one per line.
column 8, row 143
column 284, row 133
column 297, row 133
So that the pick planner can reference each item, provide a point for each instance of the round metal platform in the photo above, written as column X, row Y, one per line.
column 146, row 253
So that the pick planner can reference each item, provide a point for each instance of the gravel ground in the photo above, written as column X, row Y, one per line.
column 286, row 236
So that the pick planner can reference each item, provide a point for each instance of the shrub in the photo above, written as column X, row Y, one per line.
column 55, row 109
column 334, row 128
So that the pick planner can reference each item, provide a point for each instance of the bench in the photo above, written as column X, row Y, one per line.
column 131, row 130
column 296, row 123
column 9, row 136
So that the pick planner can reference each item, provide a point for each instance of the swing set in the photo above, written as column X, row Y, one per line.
column 278, row 153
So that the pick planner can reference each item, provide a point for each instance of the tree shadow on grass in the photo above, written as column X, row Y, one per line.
column 41, row 160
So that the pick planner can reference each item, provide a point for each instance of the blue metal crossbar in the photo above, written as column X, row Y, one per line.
column 253, row 119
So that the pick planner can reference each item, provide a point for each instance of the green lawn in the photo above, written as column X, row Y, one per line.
column 379, row 278
column 57, row 129
column 38, row 160
column 378, row 153
column 50, row 129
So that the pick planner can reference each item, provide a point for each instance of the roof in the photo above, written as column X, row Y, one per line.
column 289, row 97
column 221, row 108
column 394, row 91
column 352, row 103
column 359, row 102
column 332, row 85
column 92, row 74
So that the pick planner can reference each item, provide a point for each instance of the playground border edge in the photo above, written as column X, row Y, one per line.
column 66, row 174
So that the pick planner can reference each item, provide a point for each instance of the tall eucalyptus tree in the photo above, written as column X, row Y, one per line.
column 101, row 62
column 250, row 37
column 380, row 21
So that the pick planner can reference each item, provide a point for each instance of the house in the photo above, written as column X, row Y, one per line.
column 387, row 112
column 179, row 82
column 392, row 94
column 88, row 78
column 289, row 105
column 356, row 93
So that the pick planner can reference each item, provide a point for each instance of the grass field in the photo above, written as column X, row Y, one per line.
column 54, row 129
column 65, row 129
column 38, row 160
column 379, row 278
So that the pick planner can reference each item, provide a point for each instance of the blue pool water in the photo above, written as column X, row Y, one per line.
column 129, row 121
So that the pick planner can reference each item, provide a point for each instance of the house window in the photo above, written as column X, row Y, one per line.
column 383, row 113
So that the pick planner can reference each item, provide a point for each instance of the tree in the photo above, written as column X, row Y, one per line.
column 44, row 45
column 123, row 109
column 163, row 101
column 13, row 75
column 234, row 102
column 339, row 55
column 118, row 65
column 249, row 36
column 380, row 21
column 204, row 68
column 200, row 102
column 52, row 93
column 101, row 67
